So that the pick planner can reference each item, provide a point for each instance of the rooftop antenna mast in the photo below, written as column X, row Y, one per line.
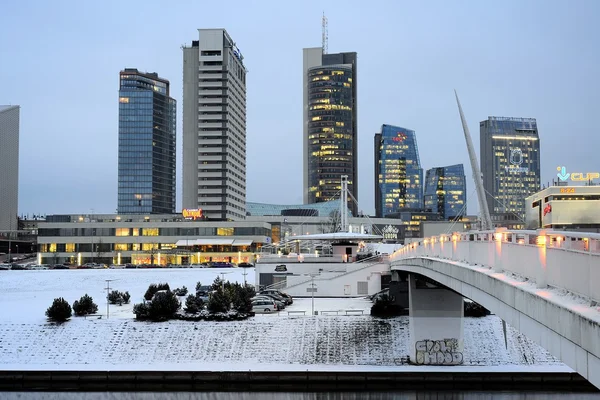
column 486, row 220
column 324, row 33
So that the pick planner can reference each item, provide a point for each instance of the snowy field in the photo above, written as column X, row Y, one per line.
column 279, row 341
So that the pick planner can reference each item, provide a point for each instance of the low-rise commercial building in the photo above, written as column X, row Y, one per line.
column 573, row 208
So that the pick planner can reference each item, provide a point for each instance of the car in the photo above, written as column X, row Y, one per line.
column 277, row 297
column 245, row 265
column 263, row 306
column 285, row 296
column 280, row 305
column 117, row 266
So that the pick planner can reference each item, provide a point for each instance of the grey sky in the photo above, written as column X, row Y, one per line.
column 60, row 61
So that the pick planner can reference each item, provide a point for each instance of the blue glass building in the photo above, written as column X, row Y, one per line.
column 398, row 172
column 146, row 144
column 445, row 191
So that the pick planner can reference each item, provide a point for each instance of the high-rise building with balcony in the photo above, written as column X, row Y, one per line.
column 398, row 172
column 330, row 140
column 214, row 126
column 147, row 167
column 510, row 163
column 9, row 167
column 445, row 191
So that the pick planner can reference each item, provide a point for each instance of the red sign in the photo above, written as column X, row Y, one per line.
column 547, row 209
column 400, row 138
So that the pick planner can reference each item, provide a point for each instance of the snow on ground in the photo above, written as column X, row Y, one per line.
column 278, row 340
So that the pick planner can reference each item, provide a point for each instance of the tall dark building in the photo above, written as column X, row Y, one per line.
column 398, row 172
column 146, row 144
column 510, row 163
column 445, row 191
column 330, row 125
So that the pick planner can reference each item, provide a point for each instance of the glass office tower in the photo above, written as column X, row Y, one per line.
column 398, row 172
column 445, row 191
column 146, row 144
column 510, row 163
column 330, row 125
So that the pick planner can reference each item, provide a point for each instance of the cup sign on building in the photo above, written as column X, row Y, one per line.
column 192, row 213
column 563, row 175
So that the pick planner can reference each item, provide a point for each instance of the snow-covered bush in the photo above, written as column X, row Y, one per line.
column 59, row 311
column 120, row 298
column 385, row 306
column 84, row 306
column 242, row 297
column 153, row 288
column 181, row 292
column 141, row 311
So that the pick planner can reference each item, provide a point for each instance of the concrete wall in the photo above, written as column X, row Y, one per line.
column 333, row 280
column 567, row 333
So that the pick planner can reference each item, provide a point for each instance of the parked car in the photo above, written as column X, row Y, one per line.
column 277, row 297
column 280, row 305
column 117, row 266
column 245, row 265
column 285, row 296
column 263, row 306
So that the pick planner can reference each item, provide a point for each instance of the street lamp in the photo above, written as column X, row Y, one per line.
column 312, row 290
column 108, row 281
column 223, row 279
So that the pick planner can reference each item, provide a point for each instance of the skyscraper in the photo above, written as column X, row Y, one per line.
column 445, row 191
column 330, row 125
column 510, row 163
column 147, row 118
column 9, row 167
column 398, row 172
column 214, row 126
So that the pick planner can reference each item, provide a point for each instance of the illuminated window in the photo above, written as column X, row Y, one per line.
column 136, row 232
column 121, row 246
column 150, row 232
column 224, row 231
column 70, row 247
column 149, row 246
column 123, row 99
column 122, row 232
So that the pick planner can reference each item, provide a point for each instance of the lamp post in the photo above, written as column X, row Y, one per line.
column 222, row 279
column 312, row 290
column 108, row 281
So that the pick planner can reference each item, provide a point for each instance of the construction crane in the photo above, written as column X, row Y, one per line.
column 324, row 33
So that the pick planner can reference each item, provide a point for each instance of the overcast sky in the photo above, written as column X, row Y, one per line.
column 60, row 61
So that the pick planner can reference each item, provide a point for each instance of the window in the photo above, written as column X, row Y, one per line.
column 149, row 232
column 224, row 231
column 121, row 246
column 122, row 232
column 70, row 247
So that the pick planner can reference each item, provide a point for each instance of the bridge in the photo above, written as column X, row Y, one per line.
column 544, row 283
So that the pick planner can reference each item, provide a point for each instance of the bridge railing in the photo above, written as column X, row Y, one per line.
column 566, row 260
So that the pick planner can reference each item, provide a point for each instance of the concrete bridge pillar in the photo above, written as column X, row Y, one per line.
column 436, row 324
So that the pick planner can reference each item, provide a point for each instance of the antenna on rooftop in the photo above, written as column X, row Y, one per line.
column 324, row 33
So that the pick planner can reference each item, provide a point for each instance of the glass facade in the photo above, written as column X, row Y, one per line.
column 331, row 139
column 146, row 144
column 398, row 172
column 510, row 163
column 445, row 191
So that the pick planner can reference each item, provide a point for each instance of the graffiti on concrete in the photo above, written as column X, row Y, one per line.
column 438, row 352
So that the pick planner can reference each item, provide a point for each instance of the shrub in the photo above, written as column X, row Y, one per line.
column 85, row 306
column 141, row 311
column 219, row 302
column 385, row 306
column 120, row 298
column 181, row 292
column 217, row 284
column 164, row 305
column 153, row 288
column 59, row 311
column 193, row 304
column 241, row 297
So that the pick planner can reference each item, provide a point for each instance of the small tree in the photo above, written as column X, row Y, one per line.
column 164, row 306
column 181, row 292
column 219, row 302
column 59, row 311
column 85, row 306
column 153, row 288
column 126, row 296
column 120, row 298
column 217, row 284
column 193, row 304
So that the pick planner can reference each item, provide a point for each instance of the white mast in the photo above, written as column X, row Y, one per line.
column 344, row 204
column 486, row 220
